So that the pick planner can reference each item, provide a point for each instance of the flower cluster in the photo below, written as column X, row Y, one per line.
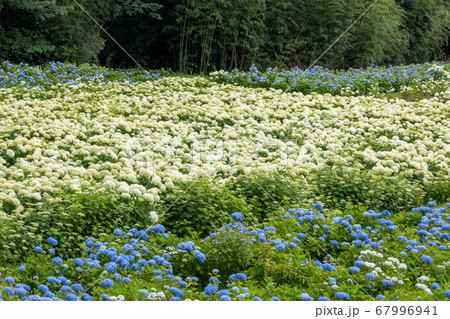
column 363, row 81
column 24, row 75
column 129, row 266
column 132, row 148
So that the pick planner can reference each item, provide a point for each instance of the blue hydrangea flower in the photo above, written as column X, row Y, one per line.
column 52, row 241
column 334, row 243
column 177, row 292
column 342, row 295
column 275, row 299
column 447, row 293
column 323, row 299
column 354, row 270
column 435, row 285
column 237, row 216
column 369, row 276
column 66, row 288
column 105, row 297
column 10, row 280
column 107, row 283
column 9, row 291
column 201, row 257
column 387, row 283
column 380, row 297
column 78, row 262
column 426, row 259
column 223, row 292
column 328, row 267
column 43, row 288
column 49, row 294
column 86, row 297
column 317, row 206
column 20, row 291
column 210, row 289
column 77, row 287
column 38, row 249
column 256, row 299
column 57, row 261
column 143, row 291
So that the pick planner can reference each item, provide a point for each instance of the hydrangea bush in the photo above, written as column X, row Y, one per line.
column 139, row 140
column 24, row 75
column 322, row 256
column 105, row 153
column 90, row 155
column 416, row 80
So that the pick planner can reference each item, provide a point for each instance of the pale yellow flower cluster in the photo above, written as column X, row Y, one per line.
column 138, row 140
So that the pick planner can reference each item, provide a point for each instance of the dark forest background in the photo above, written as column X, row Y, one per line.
column 200, row 36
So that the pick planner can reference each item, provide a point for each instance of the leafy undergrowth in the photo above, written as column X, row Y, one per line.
column 304, row 255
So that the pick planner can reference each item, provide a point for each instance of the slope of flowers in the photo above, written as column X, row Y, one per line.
column 428, row 77
column 24, row 75
column 306, row 255
column 138, row 139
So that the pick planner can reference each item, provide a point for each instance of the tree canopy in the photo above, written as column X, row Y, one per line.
column 205, row 35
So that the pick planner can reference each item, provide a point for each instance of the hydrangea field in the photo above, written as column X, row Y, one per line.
column 122, row 185
column 421, row 79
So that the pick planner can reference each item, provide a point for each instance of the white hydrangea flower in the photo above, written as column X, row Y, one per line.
column 153, row 217
column 421, row 286
column 402, row 266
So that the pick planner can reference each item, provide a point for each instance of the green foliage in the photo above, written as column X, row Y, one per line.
column 70, row 218
column 283, row 269
column 286, row 273
column 427, row 23
column 44, row 30
column 438, row 189
column 229, row 252
column 343, row 186
column 26, row 29
column 269, row 194
column 378, row 37
column 201, row 36
column 200, row 206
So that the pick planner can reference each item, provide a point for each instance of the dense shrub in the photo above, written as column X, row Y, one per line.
column 277, row 261
column 199, row 206
column 340, row 187
column 438, row 189
column 70, row 218
column 270, row 193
